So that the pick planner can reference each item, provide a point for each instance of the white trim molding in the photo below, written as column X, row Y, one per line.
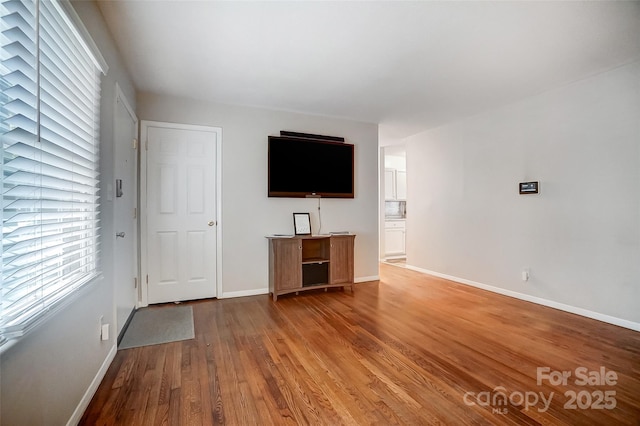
column 93, row 387
column 243, row 293
column 260, row 291
column 537, row 300
column 366, row 279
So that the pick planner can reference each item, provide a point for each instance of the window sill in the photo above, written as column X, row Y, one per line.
column 8, row 343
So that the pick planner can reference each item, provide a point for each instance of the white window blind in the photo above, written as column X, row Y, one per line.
column 49, row 112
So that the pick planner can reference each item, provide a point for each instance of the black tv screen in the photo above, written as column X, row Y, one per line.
column 303, row 167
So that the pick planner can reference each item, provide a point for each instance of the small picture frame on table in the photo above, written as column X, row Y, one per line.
column 302, row 223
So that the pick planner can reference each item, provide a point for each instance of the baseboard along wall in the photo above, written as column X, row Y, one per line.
column 538, row 300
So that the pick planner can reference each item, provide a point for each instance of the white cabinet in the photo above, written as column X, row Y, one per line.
column 389, row 184
column 394, row 238
column 395, row 184
column 401, row 185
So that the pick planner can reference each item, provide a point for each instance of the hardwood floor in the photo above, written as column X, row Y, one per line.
column 409, row 349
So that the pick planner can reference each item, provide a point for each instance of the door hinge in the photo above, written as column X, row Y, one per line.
column 135, row 282
column 147, row 278
column 135, row 143
column 146, row 145
column 135, row 212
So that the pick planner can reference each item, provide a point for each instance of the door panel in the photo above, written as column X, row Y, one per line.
column 341, row 266
column 288, row 261
column 181, row 213
column 167, row 243
column 196, row 247
column 126, row 248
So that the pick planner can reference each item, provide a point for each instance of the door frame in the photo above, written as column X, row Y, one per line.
column 120, row 97
column 144, row 265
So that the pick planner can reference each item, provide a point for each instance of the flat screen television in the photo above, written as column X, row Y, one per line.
column 300, row 167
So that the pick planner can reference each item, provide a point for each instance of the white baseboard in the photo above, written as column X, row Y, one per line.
column 242, row 293
column 366, row 279
column 93, row 387
column 538, row 300
column 400, row 256
column 260, row 291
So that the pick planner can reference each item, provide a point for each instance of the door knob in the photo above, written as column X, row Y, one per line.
column 120, row 234
column 211, row 222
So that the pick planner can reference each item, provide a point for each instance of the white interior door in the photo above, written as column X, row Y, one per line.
column 181, row 220
column 124, row 203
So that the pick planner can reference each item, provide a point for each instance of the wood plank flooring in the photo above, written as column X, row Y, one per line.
column 409, row 349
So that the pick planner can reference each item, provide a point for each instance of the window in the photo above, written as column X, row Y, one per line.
column 49, row 116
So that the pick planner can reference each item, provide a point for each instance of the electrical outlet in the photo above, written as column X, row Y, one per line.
column 525, row 274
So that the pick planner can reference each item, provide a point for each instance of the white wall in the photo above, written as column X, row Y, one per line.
column 580, row 235
column 248, row 215
column 45, row 374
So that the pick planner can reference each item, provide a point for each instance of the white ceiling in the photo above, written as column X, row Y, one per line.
column 408, row 66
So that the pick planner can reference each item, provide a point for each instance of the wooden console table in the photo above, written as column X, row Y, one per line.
column 306, row 262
